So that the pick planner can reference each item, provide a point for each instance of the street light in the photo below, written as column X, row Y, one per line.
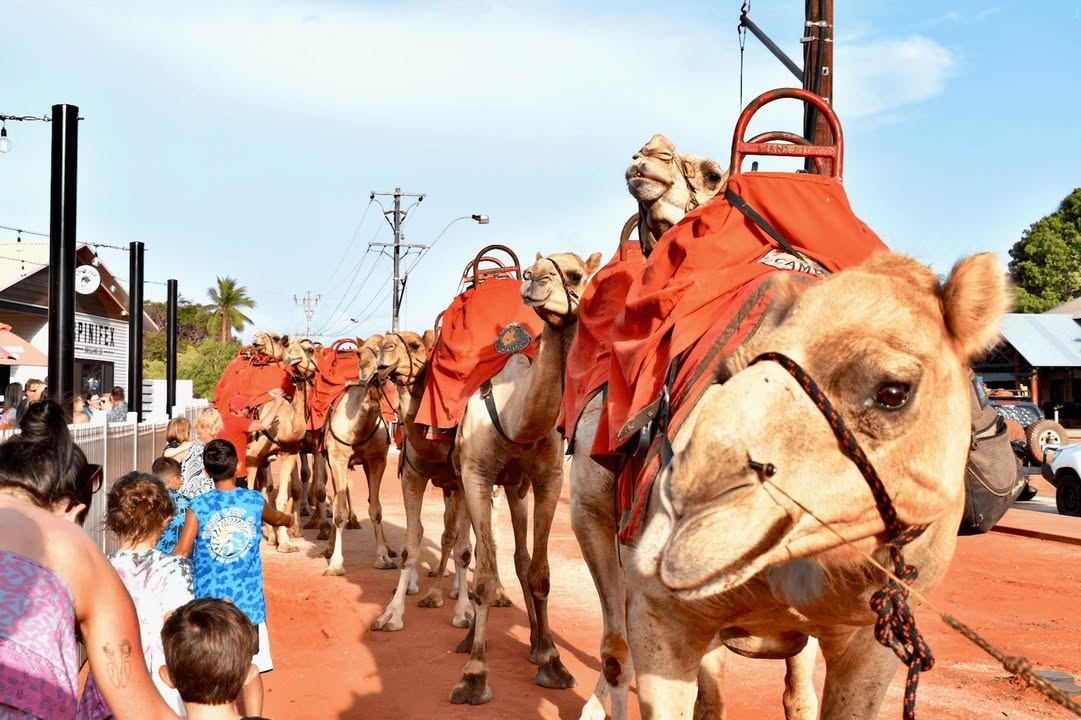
column 481, row 219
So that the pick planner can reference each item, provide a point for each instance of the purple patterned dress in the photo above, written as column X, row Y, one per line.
column 39, row 664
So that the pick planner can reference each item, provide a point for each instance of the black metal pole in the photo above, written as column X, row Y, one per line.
column 65, row 152
column 171, row 329
column 135, row 331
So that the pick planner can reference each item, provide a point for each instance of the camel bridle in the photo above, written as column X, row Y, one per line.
column 895, row 626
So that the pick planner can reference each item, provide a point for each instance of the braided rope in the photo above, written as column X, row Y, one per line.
column 895, row 626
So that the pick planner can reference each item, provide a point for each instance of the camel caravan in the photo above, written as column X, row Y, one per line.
column 767, row 414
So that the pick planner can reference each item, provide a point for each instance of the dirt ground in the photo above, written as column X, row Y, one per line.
column 1019, row 593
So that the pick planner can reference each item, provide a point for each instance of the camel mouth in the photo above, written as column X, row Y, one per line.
column 532, row 299
column 718, row 549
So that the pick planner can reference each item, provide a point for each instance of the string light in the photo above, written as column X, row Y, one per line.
column 5, row 143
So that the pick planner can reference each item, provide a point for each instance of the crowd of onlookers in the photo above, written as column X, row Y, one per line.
column 89, row 407
column 174, row 622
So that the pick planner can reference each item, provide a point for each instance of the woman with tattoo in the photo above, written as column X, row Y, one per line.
column 54, row 580
column 138, row 510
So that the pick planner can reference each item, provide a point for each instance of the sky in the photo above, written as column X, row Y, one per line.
column 243, row 138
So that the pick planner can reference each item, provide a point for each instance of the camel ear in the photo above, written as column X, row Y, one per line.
column 539, row 256
column 690, row 166
column 975, row 298
column 428, row 338
column 284, row 339
column 593, row 264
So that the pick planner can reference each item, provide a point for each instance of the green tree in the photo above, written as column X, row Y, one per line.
column 1045, row 264
column 225, row 315
column 202, row 363
column 192, row 321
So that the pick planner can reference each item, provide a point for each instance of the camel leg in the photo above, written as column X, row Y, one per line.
column 668, row 648
column 452, row 501
column 593, row 517
column 519, row 518
column 296, row 494
column 463, row 553
column 385, row 558
column 800, row 700
column 551, row 672
column 413, row 485
column 858, row 672
column 477, row 485
column 709, row 705
column 304, row 477
column 338, row 455
column 284, row 502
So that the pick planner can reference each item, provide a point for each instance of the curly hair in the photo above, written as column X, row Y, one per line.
column 138, row 507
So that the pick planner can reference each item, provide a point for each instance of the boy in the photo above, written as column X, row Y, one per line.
column 167, row 470
column 221, row 534
column 208, row 646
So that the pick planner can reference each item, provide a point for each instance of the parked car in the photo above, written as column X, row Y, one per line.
column 1063, row 470
column 1030, row 425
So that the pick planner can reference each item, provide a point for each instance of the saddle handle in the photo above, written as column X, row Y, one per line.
column 764, row 144
column 475, row 275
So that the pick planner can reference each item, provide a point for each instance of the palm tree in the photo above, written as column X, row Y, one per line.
column 225, row 314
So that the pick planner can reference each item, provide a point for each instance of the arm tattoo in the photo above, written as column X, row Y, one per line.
column 118, row 663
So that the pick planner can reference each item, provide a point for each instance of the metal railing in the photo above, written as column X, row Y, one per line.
column 119, row 448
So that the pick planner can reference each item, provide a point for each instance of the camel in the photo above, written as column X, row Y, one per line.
column 522, row 450
column 403, row 359
column 668, row 184
column 742, row 531
column 356, row 432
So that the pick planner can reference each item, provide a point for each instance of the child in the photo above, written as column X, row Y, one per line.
column 208, row 651
column 177, row 439
column 168, row 471
column 137, row 511
column 222, row 533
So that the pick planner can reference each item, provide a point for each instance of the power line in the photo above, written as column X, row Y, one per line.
column 309, row 307
column 348, row 247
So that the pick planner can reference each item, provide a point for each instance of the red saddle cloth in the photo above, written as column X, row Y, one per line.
column 465, row 355
column 338, row 364
column 702, row 292
column 252, row 375
column 590, row 354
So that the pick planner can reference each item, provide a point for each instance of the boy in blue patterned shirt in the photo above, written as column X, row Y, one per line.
column 168, row 471
column 222, row 533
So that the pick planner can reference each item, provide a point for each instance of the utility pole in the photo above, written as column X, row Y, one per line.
column 309, row 303
column 397, row 291
column 818, row 73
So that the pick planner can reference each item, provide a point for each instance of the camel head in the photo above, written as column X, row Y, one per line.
column 889, row 346
column 553, row 285
column 404, row 355
column 369, row 356
column 271, row 344
column 668, row 185
column 303, row 356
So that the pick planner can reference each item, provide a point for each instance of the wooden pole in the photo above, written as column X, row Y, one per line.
column 818, row 72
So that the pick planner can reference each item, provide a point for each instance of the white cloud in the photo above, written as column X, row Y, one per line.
column 880, row 76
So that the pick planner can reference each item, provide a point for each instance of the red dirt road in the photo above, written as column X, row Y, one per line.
column 1022, row 594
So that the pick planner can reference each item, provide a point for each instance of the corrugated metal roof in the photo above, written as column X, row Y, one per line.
column 1047, row 340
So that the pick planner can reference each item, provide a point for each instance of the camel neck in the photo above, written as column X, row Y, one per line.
column 533, row 408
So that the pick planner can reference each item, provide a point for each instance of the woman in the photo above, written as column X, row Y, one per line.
column 79, row 413
column 196, row 481
column 96, row 410
column 177, row 439
column 47, row 589
column 13, row 395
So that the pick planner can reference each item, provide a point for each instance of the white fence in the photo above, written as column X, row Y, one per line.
column 119, row 448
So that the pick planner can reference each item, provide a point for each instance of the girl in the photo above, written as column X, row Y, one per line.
column 50, row 588
column 137, row 511
column 195, row 480
column 178, row 439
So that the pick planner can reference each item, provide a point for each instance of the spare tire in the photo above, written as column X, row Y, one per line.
column 1041, row 433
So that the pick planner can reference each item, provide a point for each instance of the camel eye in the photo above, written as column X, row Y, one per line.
column 713, row 177
column 574, row 276
column 665, row 156
column 893, row 396
column 414, row 345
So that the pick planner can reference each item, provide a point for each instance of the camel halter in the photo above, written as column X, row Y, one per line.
column 895, row 627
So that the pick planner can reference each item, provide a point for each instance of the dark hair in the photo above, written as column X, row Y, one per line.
column 219, row 459
column 138, row 507
column 44, row 462
column 165, row 466
column 117, row 393
column 208, row 645
column 13, row 395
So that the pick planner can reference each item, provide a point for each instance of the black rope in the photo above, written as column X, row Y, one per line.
column 741, row 33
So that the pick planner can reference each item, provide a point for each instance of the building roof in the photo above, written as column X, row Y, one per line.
column 1046, row 340
column 1071, row 308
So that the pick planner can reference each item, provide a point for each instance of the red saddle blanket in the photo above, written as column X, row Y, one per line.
column 590, row 354
column 465, row 354
column 250, row 377
column 703, row 292
column 338, row 365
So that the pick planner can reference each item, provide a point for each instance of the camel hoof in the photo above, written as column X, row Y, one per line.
column 387, row 622
column 553, row 675
column 472, row 689
column 324, row 533
column 464, row 622
column 287, row 548
column 385, row 563
column 431, row 599
column 593, row 710
column 334, row 571
column 501, row 600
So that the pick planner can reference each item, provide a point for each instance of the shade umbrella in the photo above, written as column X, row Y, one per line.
column 14, row 350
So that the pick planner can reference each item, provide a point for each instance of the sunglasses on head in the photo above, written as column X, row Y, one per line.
column 92, row 476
